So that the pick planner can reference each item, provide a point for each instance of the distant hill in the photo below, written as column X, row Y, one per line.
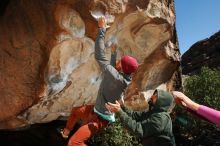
column 203, row 53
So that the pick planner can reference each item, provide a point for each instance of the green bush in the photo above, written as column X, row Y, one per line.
column 203, row 88
column 114, row 135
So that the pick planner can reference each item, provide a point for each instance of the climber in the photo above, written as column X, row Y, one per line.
column 154, row 127
column 113, row 84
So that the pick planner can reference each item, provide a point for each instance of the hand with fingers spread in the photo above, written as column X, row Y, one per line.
column 148, row 124
column 185, row 101
column 202, row 111
column 113, row 107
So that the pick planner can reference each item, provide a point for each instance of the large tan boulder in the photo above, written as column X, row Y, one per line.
column 47, row 63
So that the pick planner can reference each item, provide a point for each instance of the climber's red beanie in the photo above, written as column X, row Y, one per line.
column 129, row 64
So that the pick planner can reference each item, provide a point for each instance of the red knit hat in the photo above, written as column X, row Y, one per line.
column 129, row 64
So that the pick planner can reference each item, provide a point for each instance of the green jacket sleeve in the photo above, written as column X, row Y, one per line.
column 148, row 126
column 135, row 115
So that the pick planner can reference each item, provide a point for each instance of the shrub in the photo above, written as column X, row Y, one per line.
column 114, row 135
column 203, row 88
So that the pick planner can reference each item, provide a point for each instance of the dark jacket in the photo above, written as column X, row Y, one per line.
column 113, row 82
column 154, row 126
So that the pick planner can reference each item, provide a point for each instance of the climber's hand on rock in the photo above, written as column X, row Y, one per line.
column 102, row 22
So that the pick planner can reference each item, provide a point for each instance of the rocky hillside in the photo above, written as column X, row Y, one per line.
column 203, row 53
column 47, row 63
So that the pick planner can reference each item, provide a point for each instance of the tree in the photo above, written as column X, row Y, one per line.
column 203, row 88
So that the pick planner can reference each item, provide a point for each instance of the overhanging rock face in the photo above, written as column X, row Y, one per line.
column 47, row 54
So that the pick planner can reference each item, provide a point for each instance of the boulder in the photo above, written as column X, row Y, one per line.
column 47, row 63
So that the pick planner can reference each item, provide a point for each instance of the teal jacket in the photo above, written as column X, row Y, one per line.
column 154, row 126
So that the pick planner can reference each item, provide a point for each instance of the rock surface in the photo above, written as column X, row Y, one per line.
column 47, row 60
column 203, row 53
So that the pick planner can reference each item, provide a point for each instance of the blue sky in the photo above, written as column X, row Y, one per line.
column 196, row 20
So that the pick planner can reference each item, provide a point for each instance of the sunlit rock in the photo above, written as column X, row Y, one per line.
column 47, row 54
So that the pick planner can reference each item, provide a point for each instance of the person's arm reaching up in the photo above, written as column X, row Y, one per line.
column 100, row 56
column 100, row 45
column 100, row 49
column 113, row 56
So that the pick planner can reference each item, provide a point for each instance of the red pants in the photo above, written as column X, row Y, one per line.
column 92, row 123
